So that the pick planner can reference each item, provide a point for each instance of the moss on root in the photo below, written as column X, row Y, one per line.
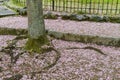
column 35, row 45
column 12, row 31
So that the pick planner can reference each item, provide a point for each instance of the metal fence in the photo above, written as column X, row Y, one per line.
column 111, row 7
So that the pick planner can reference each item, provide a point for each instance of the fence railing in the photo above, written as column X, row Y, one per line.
column 111, row 7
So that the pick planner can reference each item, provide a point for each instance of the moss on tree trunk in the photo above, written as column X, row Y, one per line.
column 35, row 45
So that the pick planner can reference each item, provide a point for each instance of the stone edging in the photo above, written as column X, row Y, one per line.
column 87, row 17
column 66, row 16
column 107, row 41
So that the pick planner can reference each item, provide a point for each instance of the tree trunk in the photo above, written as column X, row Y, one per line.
column 36, row 29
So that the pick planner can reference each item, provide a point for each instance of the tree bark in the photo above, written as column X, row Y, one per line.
column 36, row 26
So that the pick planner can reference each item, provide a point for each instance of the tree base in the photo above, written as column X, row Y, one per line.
column 35, row 45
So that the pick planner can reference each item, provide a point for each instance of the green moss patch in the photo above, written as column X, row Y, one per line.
column 50, row 15
column 107, row 41
column 34, row 45
column 12, row 31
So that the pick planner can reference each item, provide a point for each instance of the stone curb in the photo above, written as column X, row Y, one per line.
column 5, row 15
column 6, row 12
column 107, row 41
column 75, row 17
column 12, row 31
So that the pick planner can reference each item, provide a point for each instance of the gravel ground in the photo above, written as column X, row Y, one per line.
column 73, row 65
column 84, row 27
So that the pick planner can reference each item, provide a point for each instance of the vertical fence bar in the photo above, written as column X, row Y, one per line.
column 67, row 5
column 59, row 5
column 102, row 6
column 107, row 6
column 119, row 8
column 70, row 5
column 85, row 6
column 46, row 4
column 111, row 6
column 93, row 7
column 74, row 1
column 78, row 5
column 90, row 5
column 56, row 4
column 98, row 9
column 116, row 7
column 63, row 5
column 81, row 5
column 53, row 5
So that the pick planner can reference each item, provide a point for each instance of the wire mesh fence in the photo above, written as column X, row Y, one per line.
column 111, row 7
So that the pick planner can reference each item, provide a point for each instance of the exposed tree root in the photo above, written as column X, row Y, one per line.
column 46, row 68
column 9, row 51
column 12, row 45
column 14, row 77
column 88, row 47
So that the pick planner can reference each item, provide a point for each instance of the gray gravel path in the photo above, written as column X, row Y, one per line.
column 4, row 11
column 67, row 26
column 73, row 64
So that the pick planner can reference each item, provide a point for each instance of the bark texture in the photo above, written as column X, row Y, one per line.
column 36, row 29
column 35, row 19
